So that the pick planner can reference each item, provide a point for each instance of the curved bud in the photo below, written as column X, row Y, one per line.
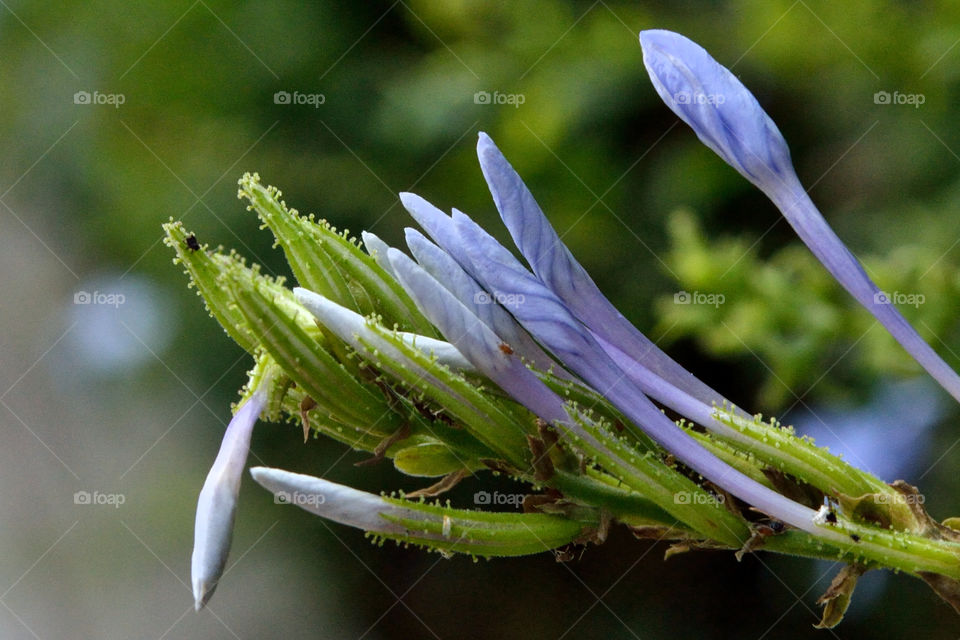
column 331, row 500
column 722, row 112
column 377, row 249
column 217, row 505
column 485, row 306
column 729, row 120
column 555, row 266
column 482, row 533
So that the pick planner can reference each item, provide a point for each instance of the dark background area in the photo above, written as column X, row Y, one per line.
column 128, row 400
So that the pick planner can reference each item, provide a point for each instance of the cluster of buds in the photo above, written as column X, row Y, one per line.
column 458, row 358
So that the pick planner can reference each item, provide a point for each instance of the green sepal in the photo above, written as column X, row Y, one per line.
column 204, row 268
column 779, row 447
column 483, row 533
column 649, row 475
column 267, row 372
column 430, row 460
column 594, row 406
column 289, row 334
column 597, row 488
column 331, row 263
column 501, row 425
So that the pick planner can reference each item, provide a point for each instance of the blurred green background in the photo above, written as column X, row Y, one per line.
column 115, row 382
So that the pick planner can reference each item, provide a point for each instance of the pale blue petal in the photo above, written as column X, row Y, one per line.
column 377, row 249
column 217, row 504
column 451, row 275
column 548, row 320
column 352, row 328
column 475, row 340
column 722, row 112
column 438, row 226
column 334, row 501
column 556, row 267
column 445, row 353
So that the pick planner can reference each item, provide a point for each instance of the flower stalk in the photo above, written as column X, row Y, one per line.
column 458, row 358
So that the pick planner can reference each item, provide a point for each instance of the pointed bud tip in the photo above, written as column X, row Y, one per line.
column 202, row 592
column 493, row 163
column 671, row 44
column 409, row 233
column 409, row 199
column 300, row 291
column 398, row 259
column 484, row 142
column 723, row 113
column 336, row 317
column 660, row 37
column 278, row 480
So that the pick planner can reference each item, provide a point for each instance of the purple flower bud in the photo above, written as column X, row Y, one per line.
column 729, row 120
column 722, row 112
column 546, row 318
column 352, row 328
column 484, row 305
column 556, row 267
column 334, row 501
column 217, row 504
column 378, row 249
column 475, row 340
